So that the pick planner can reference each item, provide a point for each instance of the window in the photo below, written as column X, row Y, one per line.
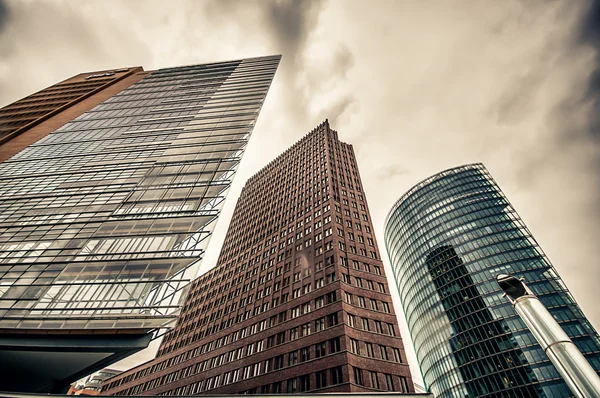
column 396, row 354
column 292, row 386
column 332, row 319
column 374, row 380
column 403, row 384
column 383, row 352
column 319, row 324
column 321, row 379
column 385, row 307
column 354, row 346
column 295, row 312
column 306, row 308
column 306, row 289
column 335, row 375
column 381, row 287
column 278, row 362
column 347, row 297
column 292, row 358
column 391, row 330
column 330, row 297
column 334, row 345
column 319, row 302
column 370, row 352
column 358, row 377
column 320, row 350
column 351, row 320
column 293, row 333
column 280, row 338
column 374, row 305
column 305, row 354
column 282, row 316
column 389, row 382
column 365, row 324
column 305, row 329
column 304, row 382
column 361, row 302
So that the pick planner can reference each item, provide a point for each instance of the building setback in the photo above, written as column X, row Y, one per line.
column 298, row 300
column 110, row 185
column 448, row 237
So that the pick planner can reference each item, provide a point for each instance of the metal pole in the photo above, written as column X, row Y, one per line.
column 579, row 375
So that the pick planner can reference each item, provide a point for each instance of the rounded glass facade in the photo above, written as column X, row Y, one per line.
column 447, row 238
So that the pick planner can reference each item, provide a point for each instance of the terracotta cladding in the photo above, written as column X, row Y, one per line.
column 26, row 121
column 298, row 300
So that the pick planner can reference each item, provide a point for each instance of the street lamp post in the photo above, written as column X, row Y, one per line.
column 579, row 375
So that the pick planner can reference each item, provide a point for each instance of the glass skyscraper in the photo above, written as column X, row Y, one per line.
column 104, row 219
column 447, row 238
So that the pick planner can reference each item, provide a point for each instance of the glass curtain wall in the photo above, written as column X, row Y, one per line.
column 104, row 221
column 447, row 238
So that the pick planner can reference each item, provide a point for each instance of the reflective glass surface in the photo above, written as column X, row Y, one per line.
column 447, row 238
column 103, row 222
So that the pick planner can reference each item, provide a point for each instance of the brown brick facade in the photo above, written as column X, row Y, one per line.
column 298, row 300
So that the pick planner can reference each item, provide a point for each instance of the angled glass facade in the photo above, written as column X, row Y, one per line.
column 447, row 238
column 103, row 222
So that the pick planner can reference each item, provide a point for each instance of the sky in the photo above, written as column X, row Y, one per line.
column 416, row 86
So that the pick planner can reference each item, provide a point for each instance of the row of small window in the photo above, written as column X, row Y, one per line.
column 480, row 198
column 302, row 309
column 370, row 350
column 371, row 379
column 414, row 203
column 296, row 293
column 215, row 71
column 306, row 288
column 323, row 379
column 466, row 222
column 195, row 80
column 197, row 295
column 195, row 299
column 276, row 363
column 362, row 302
column 483, row 270
column 295, row 171
column 365, row 324
column 241, row 89
column 240, row 232
column 332, row 377
column 276, row 301
column 363, row 283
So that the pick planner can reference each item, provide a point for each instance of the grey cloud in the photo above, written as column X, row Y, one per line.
column 390, row 172
column 343, row 61
column 4, row 14
column 590, row 35
column 291, row 23
column 515, row 102
column 335, row 111
column 52, row 41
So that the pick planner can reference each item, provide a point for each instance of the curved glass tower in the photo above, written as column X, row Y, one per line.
column 447, row 238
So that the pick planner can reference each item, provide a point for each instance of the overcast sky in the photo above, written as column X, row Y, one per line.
column 417, row 86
